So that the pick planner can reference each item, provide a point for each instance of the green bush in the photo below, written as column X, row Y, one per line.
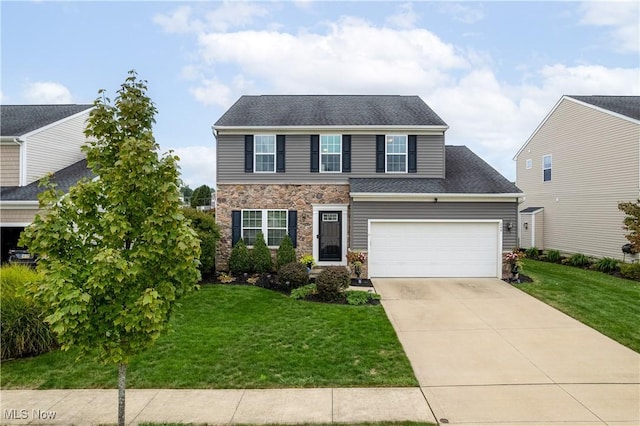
column 23, row 331
column 630, row 271
column 554, row 256
column 532, row 253
column 292, row 275
column 286, row 253
column 208, row 231
column 304, row 291
column 261, row 256
column 331, row 281
column 240, row 258
column 357, row 297
column 579, row 260
column 607, row 265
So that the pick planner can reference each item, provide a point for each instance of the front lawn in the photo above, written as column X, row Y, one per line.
column 603, row 302
column 243, row 337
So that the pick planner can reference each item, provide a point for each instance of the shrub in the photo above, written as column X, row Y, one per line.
column 630, row 271
column 331, row 281
column 579, row 260
column 607, row 265
column 554, row 256
column 208, row 232
column 261, row 256
column 357, row 297
column 23, row 331
column 240, row 259
column 304, row 291
column 532, row 252
column 286, row 253
column 292, row 275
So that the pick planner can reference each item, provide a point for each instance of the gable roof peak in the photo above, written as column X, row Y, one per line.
column 18, row 120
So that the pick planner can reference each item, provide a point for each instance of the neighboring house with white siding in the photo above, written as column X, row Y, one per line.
column 581, row 161
column 367, row 173
column 36, row 140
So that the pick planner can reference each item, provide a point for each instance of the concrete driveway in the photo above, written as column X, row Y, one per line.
column 485, row 353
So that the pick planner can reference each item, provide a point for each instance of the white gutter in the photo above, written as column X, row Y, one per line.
column 433, row 197
column 319, row 129
column 19, row 205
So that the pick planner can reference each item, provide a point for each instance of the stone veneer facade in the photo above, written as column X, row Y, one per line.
column 299, row 197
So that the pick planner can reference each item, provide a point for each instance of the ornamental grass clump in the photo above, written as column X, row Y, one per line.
column 331, row 282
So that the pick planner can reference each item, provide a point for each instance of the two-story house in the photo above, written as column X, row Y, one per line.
column 367, row 173
column 579, row 163
column 36, row 140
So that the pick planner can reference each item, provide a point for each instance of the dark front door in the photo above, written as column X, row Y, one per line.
column 330, row 236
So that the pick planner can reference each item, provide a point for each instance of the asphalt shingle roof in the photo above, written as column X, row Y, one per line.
column 530, row 209
column 64, row 178
column 329, row 110
column 17, row 120
column 625, row 105
column 466, row 173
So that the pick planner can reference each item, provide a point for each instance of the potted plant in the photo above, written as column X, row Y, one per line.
column 308, row 260
column 357, row 259
column 514, row 260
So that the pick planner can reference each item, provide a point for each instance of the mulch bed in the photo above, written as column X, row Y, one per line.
column 522, row 278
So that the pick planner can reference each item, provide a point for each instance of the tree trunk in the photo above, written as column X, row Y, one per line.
column 122, row 384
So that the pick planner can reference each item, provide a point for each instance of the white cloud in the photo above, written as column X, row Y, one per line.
column 623, row 17
column 179, row 21
column 228, row 15
column 465, row 14
column 405, row 18
column 47, row 92
column 197, row 164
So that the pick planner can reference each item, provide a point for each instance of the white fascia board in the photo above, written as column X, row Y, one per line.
column 56, row 123
column 542, row 123
column 423, row 197
column 420, row 130
column 10, row 140
column 604, row 110
column 20, row 205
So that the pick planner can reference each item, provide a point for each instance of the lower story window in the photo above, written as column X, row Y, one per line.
column 272, row 224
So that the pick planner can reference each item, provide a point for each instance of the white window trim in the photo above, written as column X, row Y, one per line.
column 547, row 168
column 264, row 223
column 255, row 154
column 528, row 163
column 406, row 154
column 338, row 153
column 317, row 208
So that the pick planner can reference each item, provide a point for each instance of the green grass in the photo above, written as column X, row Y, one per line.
column 603, row 302
column 242, row 337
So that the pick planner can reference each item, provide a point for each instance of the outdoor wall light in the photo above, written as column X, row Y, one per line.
column 526, row 225
column 509, row 226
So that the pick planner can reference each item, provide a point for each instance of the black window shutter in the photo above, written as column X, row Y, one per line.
column 413, row 159
column 380, row 153
column 293, row 227
column 248, row 153
column 280, row 153
column 315, row 153
column 346, row 153
column 236, row 226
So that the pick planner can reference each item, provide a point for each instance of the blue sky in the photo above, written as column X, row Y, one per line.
column 491, row 70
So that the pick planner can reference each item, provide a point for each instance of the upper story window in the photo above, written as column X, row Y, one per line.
column 396, row 153
column 528, row 163
column 272, row 223
column 265, row 153
column 330, row 153
column 546, row 168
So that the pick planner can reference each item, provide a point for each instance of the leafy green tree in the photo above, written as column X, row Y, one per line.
column 286, row 253
column 201, row 196
column 204, row 223
column 632, row 223
column 117, row 251
column 261, row 255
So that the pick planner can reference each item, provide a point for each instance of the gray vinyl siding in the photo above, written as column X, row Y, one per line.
column 595, row 166
column 9, row 165
column 230, row 161
column 362, row 211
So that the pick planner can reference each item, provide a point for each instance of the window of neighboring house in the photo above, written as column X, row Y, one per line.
column 272, row 224
column 330, row 153
column 546, row 168
column 265, row 153
column 529, row 163
column 396, row 153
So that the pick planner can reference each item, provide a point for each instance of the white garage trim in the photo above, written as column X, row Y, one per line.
column 448, row 248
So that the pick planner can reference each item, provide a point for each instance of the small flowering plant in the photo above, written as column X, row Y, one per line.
column 514, row 259
column 308, row 260
column 357, row 259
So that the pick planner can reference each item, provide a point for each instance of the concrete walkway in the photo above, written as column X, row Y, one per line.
column 210, row 406
column 486, row 353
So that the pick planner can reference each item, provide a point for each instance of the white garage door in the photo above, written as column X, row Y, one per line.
column 434, row 249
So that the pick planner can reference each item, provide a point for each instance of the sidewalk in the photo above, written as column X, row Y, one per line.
column 213, row 406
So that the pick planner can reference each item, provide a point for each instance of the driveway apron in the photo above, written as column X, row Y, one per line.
column 486, row 353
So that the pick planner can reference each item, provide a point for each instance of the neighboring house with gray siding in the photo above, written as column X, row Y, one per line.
column 36, row 140
column 580, row 162
column 366, row 173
